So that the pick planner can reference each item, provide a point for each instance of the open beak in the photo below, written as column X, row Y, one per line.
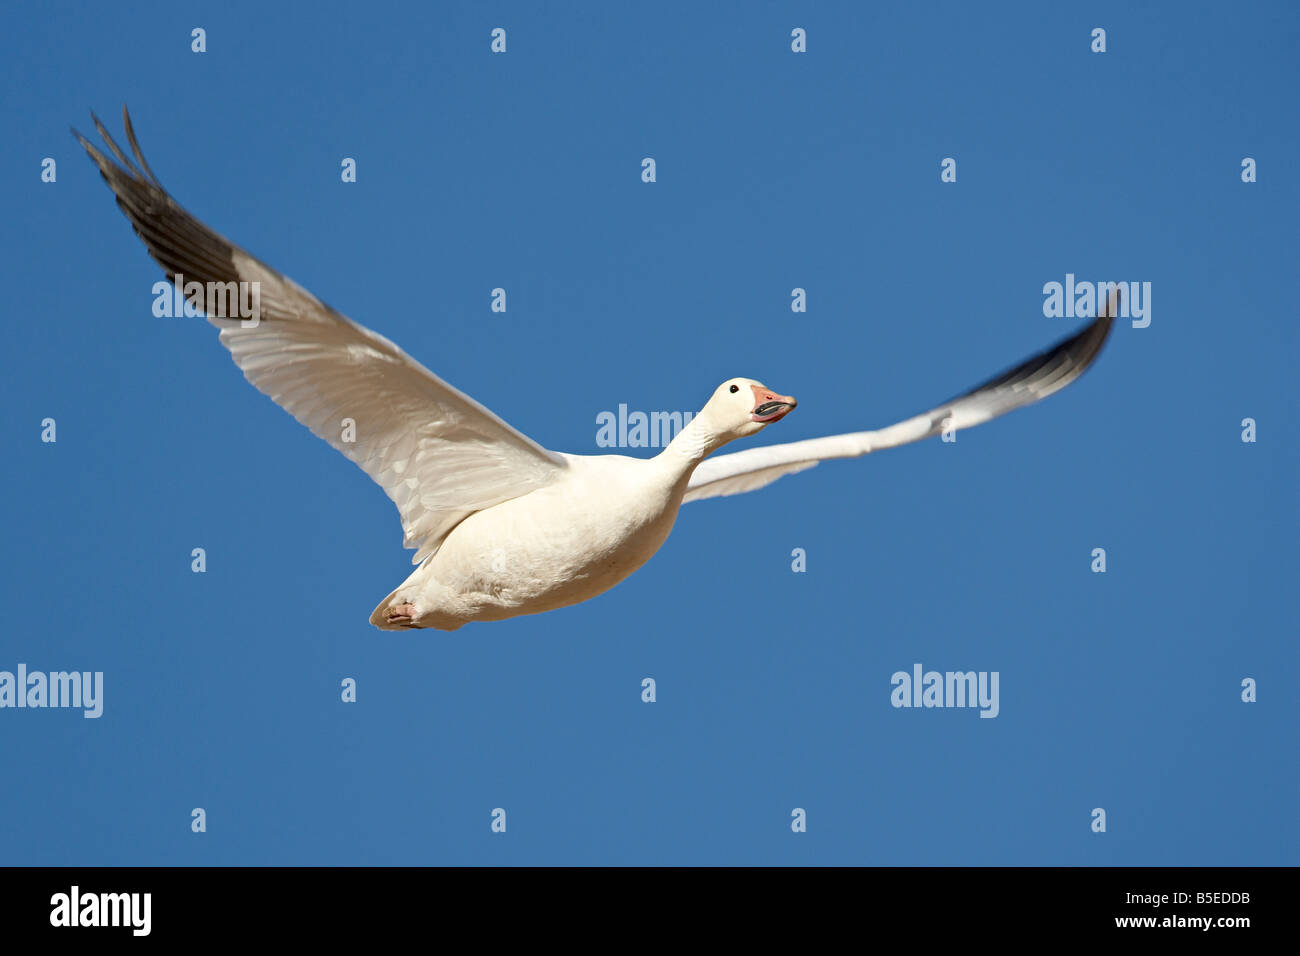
column 769, row 406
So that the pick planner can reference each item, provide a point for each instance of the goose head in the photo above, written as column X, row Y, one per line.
column 742, row 406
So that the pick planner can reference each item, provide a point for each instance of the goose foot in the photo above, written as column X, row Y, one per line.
column 402, row 615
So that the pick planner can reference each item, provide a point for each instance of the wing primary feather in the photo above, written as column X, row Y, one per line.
column 1076, row 353
column 135, row 146
column 112, row 144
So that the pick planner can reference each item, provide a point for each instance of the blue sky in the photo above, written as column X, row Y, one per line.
column 775, row 170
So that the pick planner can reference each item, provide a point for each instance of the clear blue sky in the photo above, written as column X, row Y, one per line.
column 775, row 170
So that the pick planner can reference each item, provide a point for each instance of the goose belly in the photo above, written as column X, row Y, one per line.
column 543, row 551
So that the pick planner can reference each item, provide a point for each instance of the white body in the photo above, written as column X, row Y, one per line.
column 550, row 548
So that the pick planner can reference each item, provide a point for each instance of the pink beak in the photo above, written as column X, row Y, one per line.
column 769, row 406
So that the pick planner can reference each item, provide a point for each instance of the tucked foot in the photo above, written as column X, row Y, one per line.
column 402, row 615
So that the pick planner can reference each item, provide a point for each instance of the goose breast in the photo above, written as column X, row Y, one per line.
column 554, row 546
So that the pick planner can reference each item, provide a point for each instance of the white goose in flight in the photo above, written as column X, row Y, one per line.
column 501, row 526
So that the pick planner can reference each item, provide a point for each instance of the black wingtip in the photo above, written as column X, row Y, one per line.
column 117, row 150
column 135, row 146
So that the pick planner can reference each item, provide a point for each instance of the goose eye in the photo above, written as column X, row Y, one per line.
column 735, row 389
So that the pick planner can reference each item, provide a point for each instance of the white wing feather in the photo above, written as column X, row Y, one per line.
column 1034, row 379
column 437, row 453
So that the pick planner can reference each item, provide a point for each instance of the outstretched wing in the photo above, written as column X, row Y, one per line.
column 437, row 453
column 1032, row 380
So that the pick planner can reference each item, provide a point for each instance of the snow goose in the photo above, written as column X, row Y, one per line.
column 501, row 526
